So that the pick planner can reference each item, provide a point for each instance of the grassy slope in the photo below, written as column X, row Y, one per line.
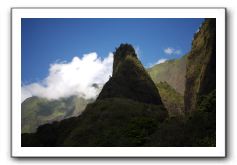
column 172, row 71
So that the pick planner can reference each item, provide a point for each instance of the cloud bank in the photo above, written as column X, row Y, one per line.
column 73, row 78
column 171, row 51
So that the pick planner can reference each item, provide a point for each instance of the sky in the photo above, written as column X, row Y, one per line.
column 63, row 57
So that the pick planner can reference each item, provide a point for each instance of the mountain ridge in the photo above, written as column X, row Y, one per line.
column 172, row 71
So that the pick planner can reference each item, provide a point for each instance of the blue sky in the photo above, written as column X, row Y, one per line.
column 47, row 41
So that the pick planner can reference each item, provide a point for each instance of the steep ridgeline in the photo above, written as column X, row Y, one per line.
column 126, row 113
column 201, row 66
column 171, row 71
column 36, row 111
column 130, row 79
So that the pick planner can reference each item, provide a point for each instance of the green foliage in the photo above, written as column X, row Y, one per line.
column 198, row 129
column 170, row 133
column 173, row 101
column 202, row 122
column 115, row 122
column 207, row 102
column 124, row 122
column 139, row 130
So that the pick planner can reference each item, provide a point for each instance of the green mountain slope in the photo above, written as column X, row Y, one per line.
column 173, row 101
column 171, row 71
column 36, row 111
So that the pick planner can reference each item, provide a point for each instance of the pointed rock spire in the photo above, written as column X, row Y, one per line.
column 130, row 79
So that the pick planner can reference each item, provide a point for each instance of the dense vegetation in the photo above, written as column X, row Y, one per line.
column 124, row 122
column 197, row 129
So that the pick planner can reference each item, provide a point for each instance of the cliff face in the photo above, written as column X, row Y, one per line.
column 130, row 79
column 201, row 66
column 171, row 71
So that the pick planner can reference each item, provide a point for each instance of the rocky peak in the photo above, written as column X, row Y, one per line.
column 130, row 79
column 123, row 51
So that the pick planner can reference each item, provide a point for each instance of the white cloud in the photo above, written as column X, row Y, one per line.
column 162, row 60
column 73, row 78
column 171, row 51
